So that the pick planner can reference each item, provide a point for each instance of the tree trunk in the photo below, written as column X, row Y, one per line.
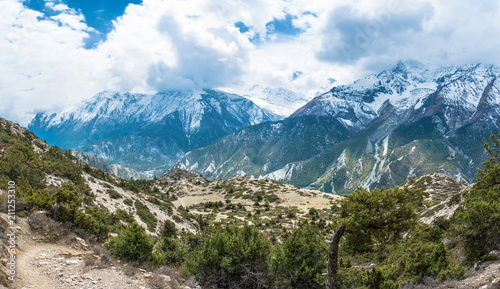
column 333, row 254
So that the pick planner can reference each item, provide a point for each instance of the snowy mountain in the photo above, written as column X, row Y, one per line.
column 148, row 131
column 281, row 101
column 392, row 126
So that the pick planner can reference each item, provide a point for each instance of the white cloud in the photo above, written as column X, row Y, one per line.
column 429, row 31
column 179, row 44
column 43, row 63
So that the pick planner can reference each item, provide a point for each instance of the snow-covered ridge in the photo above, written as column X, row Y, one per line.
column 152, row 108
column 148, row 131
column 280, row 101
column 404, row 87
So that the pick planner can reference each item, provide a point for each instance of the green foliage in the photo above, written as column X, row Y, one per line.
column 99, row 174
column 6, row 136
column 187, row 215
column 128, row 202
column 124, row 216
column 423, row 254
column 39, row 199
column 94, row 221
column 479, row 215
column 169, row 230
column 169, row 251
column 21, row 164
column 379, row 216
column 131, row 244
column 69, row 194
column 490, row 176
column 145, row 214
column 354, row 277
column 59, row 163
column 227, row 255
column 114, row 194
column 420, row 255
column 300, row 261
column 375, row 279
column 144, row 186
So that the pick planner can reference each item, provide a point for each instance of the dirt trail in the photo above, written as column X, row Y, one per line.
column 66, row 264
column 28, row 275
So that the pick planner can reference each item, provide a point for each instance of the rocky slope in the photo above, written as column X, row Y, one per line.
column 53, row 253
column 54, row 240
column 148, row 131
column 98, row 182
column 393, row 126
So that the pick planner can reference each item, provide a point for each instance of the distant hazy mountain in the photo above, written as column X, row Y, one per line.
column 148, row 131
column 117, row 170
column 281, row 101
column 378, row 131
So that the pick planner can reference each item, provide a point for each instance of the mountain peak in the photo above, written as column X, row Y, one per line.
column 155, row 129
column 408, row 66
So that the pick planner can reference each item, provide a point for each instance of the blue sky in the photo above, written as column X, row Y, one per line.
column 54, row 53
column 98, row 14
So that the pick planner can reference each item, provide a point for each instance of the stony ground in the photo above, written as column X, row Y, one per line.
column 72, row 263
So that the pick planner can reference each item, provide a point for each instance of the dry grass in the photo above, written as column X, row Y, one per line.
column 50, row 230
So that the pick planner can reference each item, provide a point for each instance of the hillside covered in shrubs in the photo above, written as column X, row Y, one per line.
column 384, row 245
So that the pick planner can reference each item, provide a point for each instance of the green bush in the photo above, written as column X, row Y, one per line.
column 60, row 163
column 227, row 255
column 114, row 194
column 21, row 164
column 169, row 251
column 421, row 255
column 145, row 214
column 39, row 199
column 301, row 260
column 124, row 216
column 169, row 230
column 131, row 244
column 480, row 221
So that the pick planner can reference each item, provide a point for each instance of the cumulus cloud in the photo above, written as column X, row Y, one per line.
column 156, row 46
column 42, row 60
column 204, row 57
column 352, row 33
column 438, row 32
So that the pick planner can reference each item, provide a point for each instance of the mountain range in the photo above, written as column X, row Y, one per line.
column 148, row 131
column 378, row 131
column 381, row 130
